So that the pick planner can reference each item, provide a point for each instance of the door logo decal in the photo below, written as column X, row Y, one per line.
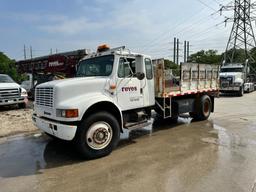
column 127, row 89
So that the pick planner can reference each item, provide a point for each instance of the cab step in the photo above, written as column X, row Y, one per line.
column 136, row 125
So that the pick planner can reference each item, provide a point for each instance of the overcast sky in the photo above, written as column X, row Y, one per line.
column 147, row 26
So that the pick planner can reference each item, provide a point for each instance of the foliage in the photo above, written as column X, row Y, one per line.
column 207, row 57
column 239, row 56
column 171, row 65
column 253, row 53
column 7, row 66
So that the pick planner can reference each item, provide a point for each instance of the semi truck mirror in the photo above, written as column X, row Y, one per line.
column 140, row 75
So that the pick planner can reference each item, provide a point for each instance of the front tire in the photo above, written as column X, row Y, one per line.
column 241, row 91
column 97, row 135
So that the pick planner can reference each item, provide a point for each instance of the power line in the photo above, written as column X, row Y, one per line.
column 206, row 5
column 167, row 32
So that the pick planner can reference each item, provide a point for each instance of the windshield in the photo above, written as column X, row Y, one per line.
column 231, row 70
column 97, row 66
column 5, row 79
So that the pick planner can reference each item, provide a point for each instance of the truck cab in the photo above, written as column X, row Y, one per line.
column 232, row 78
column 113, row 89
column 236, row 78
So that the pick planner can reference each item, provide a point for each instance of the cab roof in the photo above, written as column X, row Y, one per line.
column 115, row 51
column 233, row 65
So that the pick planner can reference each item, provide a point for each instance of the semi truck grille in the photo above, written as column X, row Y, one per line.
column 44, row 96
column 9, row 93
column 226, row 80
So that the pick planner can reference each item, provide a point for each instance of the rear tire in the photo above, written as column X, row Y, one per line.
column 203, row 109
column 97, row 135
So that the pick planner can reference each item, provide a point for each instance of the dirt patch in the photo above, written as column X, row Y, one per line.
column 14, row 121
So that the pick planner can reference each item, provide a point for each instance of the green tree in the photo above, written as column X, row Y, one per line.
column 239, row 56
column 7, row 66
column 207, row 57
column 171, row 65
column 253, row 53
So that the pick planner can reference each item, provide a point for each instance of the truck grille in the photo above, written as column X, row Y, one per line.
column 44, row 96
column 226, row 81
column 9, row 94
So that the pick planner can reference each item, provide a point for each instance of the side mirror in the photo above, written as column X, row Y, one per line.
column 140, row 75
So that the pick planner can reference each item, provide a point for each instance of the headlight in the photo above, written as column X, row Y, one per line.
column 23, row 92
column 67, row 113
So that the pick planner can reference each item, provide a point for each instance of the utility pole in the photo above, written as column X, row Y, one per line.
column 51, row 51
column 174, row 50
column 25, row 55
column 188, row 48
column 178, row 51
column 242, row 35
column 185, row 51
column 31, row 54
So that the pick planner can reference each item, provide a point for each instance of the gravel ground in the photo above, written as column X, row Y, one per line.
column 15, row 121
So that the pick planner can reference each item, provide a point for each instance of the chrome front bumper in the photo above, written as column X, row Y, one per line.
column 229, row 89
column 12, row 101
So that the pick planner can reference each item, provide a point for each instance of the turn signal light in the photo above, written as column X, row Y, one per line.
column 71, row 113
column 67, row 113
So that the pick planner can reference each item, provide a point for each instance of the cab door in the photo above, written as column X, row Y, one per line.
column 128, row 87
column 149, row 83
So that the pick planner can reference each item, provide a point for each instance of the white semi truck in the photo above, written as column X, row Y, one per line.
column 235, row 78
column 116, row 89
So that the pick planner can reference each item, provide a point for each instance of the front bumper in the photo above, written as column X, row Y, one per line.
column 229, row 89
column 59, row 130
column 12, row 101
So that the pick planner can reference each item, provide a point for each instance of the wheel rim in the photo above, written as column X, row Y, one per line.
column 206, row 107
column 99, row 135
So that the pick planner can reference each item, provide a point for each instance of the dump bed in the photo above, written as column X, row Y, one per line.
column 190, row 78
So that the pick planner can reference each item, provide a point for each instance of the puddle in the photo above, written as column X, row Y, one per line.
column 25, row 155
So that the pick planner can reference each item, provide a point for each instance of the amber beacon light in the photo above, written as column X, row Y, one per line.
column 103, row 48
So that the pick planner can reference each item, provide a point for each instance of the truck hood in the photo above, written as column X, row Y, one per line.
column 231, row 74
column 75, row 87
column 9, row 86
column 70, row 82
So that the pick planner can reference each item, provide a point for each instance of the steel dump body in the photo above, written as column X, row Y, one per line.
column 193, row 78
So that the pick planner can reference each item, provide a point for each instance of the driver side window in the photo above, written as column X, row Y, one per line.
column 126, row 67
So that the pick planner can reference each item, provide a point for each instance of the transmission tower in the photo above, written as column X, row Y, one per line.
column 242, row 35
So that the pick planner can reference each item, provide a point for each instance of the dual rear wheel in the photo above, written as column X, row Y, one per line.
column 203, row 108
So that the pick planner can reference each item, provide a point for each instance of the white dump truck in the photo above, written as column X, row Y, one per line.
column 116, row 89
column 11, row 93
column 235, row 78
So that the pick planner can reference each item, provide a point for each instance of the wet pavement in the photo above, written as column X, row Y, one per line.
column 214, row 155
